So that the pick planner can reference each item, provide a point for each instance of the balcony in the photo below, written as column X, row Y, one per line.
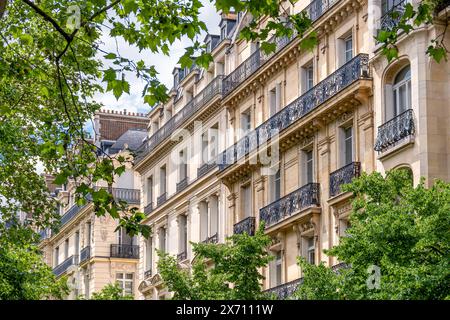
column 212, row 239
column 148, row 208
column 132, row 196
column 182, row 184
column 70, row 214
column 126, row 251
column 66, row 264
column 205, row 168
column 349, row 73
column 285, row 290
column 202, row 98
column 340, row 266
column 342, row 176
column 45, row 234
column 392, row 17
column 182, row 256
column 257, row 59
column 280, row 210
column 247, row 225
column 395, row 130
column 85, row 254
column 161, row 199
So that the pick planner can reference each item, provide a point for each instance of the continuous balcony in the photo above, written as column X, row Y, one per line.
column 291, row 204
column 70, row 214
column 201, row 99
column 205, row 168
column 354, row 70
column 212, row 239
column 126, row 251
column 246, row 225
column 182, row 184
column 161, row 199
column 391, row 17
column 257, row 59
column 148, row 208
column 342, row 176
column 85, row 254
column 286, row 290
column 66, row 264
column 395, row 131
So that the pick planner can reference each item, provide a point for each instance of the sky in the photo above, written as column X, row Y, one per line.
column 163, row 64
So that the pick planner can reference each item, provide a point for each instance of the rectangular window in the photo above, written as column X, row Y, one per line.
column 182, row 229
column 204, row 150
column 223, row 32
column 246, row 201
column 311, row 250
column 183, row 165
column 309, row 166
column 348, row 146
column 308, row 77
column 162, row 180
column 213, row 215
column 245, row 122
column 162, row 239
column 124, row 237
column 125, row 281
column 348, row 48
column 149, row 189
column 77, row 243
column 155, row 126
column 278, row 268
column 203, row 210
column 66, row 249
column 56, row 256
column 88, row 234
column 148, row 254
column 277, row 185
column 213, row 135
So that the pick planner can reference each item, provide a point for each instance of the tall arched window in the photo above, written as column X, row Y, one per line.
column 402, row 91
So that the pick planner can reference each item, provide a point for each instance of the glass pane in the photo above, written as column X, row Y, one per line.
column 119, row 275
column 402, row 99
column 129, row 276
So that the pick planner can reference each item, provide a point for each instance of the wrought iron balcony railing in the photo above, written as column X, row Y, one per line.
column 285, row 290
column 392, row 16
column 70, row 214
column 85, row 254
column 182, row 256
column 148, row 273
column 127, row 251
column 148, row 208
column 354, row 70
column 342, row 176
column 249, row 66
column 395, row 130
column 246, row 225
column 203, row 97
column 283, row 208
column 63, row 266
column 205, row 168
column 212, row 239
column 182, row 184
column 161, row 199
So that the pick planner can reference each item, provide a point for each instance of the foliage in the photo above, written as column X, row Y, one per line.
column 111, row 292
column 226, row 271
column 23, row 273
column 399, row 228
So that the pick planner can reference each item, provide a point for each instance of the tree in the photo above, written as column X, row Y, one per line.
column 23, row 273
column 398, row 244
column 226, row 271
column 111, row 292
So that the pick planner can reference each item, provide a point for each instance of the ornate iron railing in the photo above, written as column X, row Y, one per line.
column 212, row 239
column 354, row 70
column 203, row 97
column 395, row 130
column 148, row 208
column 70, row 214
column 161, row 199
column 63, row 266
column 205, row 168
column 392, row 16
column 182, row 184
column 342, row 176
column 128, row 251
column 258, row 58
column 85, row 254
column 245, row 225
column 182, row 256
column 148, row 273
column 285, row 290
column 283, row 208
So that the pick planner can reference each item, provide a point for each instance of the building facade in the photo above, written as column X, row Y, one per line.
column 87, row 248
column 272, row 137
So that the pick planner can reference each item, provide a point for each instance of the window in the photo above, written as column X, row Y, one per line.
column 387, row 5
column 56, row 256
column 278, row 268
column 182, row 233
column 213, row 215
column 275, row 99
column 149, row 189
column 155, row 126
column 77, row 243
column 348, row 48
column 275, row 186
column 162, row 239
column 88, row 234
column 183, row 165
column 223, row 32
column 309, row 166
column 66, row 249
column 402, row 91
column 311, row 250
column 204, row 151
column 245, row 122
column 308, row 77
column 86, row 284
column 348, row 145
column 213, row 135
column 203, row 210
column 246, row 203
column 148, row 254
column 125, row 281
column 162, row 180
column 124, row 237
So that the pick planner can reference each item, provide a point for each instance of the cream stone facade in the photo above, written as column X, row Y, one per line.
column 293, row 126
column 87, row 249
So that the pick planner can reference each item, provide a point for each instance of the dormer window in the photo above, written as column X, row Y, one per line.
column 208, row 46
column 223, row 32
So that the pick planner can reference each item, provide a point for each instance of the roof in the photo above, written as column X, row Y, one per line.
column 132, row 138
